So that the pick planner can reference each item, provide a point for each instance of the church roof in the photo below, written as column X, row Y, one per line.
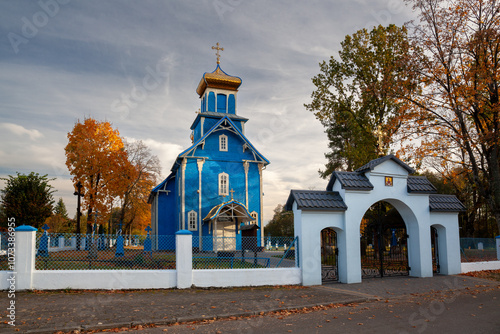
column 212, row 114
column 218, row 79
column 350, row 181
column 374, row 163
column 445, row 203
column 316, row 200
column 160, row 187
column 235, row 129
column 420, row 185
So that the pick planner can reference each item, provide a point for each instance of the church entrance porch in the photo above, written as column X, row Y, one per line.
column 224, row 221
column 384, row 246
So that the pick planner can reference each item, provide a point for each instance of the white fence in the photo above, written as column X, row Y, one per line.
column 26, row 277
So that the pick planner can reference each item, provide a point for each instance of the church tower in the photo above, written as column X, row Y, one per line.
column 215, row 186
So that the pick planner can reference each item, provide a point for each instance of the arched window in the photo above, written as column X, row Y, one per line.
column 221, row 102
column 255, row 217
column 223, row 143
column 192, row 218
column 223, row 184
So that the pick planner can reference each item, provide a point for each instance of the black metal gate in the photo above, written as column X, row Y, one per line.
column 329, row 256
column 384, row 246
column 435, row 250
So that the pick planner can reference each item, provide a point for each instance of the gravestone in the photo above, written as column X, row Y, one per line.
column 43, row 249
column 147, row 242
column 119, row 243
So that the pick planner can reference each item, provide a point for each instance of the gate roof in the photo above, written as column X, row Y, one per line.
column 316, row 200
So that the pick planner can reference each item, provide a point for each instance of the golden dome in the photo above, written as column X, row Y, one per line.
column 218, row 79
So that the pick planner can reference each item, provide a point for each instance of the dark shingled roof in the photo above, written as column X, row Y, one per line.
column 316, row 200
column 350, row 181
column 374, row 163
column 445, row 203
column 420, row 184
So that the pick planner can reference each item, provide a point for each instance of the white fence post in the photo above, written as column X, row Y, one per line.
column 184, row 258
column 498, row 247
column 25, row 256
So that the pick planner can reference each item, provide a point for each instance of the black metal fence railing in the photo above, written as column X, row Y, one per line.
column 57, row 251
column 4, row 262
column 217, row 252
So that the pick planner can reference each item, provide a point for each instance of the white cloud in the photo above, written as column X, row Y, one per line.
column 19, row 130
column 166, row 152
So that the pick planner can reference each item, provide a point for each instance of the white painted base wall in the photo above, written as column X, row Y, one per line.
column 4, row 284
column 246, row 277
column 468, row 267
column 104, row 279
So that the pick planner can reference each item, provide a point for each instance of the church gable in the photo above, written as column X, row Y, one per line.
column 225, row 141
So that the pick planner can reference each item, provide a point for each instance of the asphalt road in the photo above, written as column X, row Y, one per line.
column 463, row 311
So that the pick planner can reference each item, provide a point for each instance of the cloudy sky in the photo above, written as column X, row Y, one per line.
column 61, row 61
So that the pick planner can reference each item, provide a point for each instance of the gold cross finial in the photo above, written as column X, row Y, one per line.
column 232, row 192
column 217, row 53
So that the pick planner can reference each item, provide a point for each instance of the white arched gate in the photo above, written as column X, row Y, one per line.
column 342, row 207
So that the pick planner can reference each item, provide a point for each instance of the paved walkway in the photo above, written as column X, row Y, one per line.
column 47, row 312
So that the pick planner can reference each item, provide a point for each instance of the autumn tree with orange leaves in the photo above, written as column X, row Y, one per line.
column 96, row 156
column 113, row 172
column 146, row 169
column 456, row 111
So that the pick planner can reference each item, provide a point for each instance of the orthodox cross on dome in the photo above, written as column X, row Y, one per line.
column 217, row 53
column 232, row 192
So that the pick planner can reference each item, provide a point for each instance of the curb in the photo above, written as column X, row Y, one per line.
column 185, row 319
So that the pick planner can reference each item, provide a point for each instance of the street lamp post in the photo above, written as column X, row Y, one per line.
column 78, row 213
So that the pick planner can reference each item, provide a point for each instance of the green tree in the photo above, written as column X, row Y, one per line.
column 59, row 221
column 282, row 223
column 28, row 198
column 60, row 209
column 356, row 97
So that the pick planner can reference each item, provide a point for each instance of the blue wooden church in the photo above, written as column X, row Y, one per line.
column 215, row 186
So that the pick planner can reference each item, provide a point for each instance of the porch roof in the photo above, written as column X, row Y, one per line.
column 232, row 209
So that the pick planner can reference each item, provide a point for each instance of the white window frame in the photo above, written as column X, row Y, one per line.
column 192, row 220
column 223, row 184
column 223, row 143
column 255, row 216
